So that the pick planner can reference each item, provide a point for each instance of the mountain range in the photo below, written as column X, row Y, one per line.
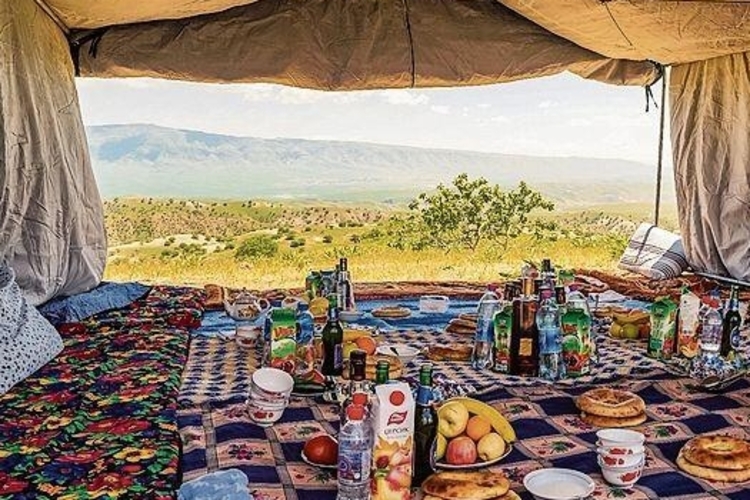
column 148, row 160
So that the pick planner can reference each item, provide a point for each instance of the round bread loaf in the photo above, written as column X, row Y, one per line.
column 728, row 476
column 474, row 485
column 599, row 421
column 605, row 402
column 718, row 452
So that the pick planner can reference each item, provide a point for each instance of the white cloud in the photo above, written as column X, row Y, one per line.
column 399, row 97
column 440, row 109
column 500, row 119
column 580, row 122
column 484, row 105
column 546, row 104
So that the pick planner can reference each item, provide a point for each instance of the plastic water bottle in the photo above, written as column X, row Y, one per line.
column 711, row 328
column 484, row 339
column 551, row 364
column 304, row 338
column 355, row 455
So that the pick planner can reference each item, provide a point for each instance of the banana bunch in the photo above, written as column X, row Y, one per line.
column 630, row 324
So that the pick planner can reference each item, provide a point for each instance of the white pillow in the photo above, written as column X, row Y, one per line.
column 654, row 253
column 27, row 340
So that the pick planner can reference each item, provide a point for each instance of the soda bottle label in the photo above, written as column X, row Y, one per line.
column 502, row 347
column 338, row 356
column 355, row 466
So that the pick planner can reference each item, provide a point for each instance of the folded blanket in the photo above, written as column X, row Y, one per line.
column 230, row 484
column 105, row 297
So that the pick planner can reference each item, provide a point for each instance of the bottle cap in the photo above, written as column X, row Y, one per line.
column 355, row 412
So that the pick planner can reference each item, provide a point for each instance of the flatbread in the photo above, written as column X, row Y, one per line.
column 599, row 421
column 718, row 452
column 727, row 476
column 474, row 485
column 214, row 297
column 449, row 353
column 511, row 495
column 391, row 312
column 606, row 402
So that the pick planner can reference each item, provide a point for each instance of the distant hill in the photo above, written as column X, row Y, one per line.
column 146, row 160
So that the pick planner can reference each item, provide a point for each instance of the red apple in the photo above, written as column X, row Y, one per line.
column 461, row 451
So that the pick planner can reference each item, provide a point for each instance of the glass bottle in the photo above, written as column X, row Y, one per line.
column 382, row 372
column 503, row 326
column 578, row 347
column 551, row 364
column 425, row 426
column 524, row 340
column 333, row 338
column 730, row 337
column 344, row 289
column 484, row 338
column 711, row 328
column 357, row 380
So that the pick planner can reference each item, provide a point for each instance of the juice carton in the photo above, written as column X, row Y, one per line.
column 688, row 330
column 393, row 413
column 283, row 352
column 661, row 342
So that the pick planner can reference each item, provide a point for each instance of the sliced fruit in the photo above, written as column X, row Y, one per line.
column 367, row 344
column 499, row 423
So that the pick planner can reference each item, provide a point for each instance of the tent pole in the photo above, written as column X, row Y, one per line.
column 660, row 161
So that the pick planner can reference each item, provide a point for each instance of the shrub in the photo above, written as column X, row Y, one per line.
column 256, row 247
column 327, row 238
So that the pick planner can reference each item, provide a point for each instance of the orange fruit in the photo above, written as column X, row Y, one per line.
column 367, row 344
column 478, row 427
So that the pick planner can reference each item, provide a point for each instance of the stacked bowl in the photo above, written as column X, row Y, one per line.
column 621, row 455
column 270, row 389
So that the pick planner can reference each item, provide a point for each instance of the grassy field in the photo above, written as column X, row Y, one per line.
column 194, row 242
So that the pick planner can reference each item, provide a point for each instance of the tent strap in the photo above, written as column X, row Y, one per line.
column 660, row 161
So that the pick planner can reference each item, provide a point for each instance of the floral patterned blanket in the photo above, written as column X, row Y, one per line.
column 99, row 421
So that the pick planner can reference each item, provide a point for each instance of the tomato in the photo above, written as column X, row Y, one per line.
column 322, row 450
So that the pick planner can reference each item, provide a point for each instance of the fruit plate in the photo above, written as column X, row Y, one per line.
column 476, row 465
column 314, row 464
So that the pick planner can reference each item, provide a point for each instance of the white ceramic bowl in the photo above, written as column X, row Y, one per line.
column 272, row 383
column 559, row 484
column 348, row 316
column 263, row 413
column 620, row 459
column 629, row 449
column 437, row 304
column 623, row 477
column 247, row 334
column 404, row 352
column 609, row 438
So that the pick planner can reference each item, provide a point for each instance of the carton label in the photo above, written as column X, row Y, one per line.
column 392, row 455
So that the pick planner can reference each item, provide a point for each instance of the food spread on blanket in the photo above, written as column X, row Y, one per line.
column 542, row 326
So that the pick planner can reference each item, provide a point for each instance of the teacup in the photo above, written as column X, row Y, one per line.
column 609, row 438
column 247, row 334
column 620, row 450
column 625, row 476
column 265, row 413
column 620, row 459
column 271, row 384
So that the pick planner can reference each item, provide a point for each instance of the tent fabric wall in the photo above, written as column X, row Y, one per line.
column 666, row 31
column 710, row 120
column 350, row 44
column 52, row 225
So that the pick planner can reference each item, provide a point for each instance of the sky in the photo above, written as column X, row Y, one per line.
column 563, row 115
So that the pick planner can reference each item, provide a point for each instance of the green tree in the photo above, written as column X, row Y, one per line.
column 256, row 247
column 466, row 213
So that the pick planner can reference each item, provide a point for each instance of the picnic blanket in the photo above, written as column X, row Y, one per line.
column 99, row 420
column 545, row 418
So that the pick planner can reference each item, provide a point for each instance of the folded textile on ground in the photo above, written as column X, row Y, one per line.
column 105, row 297
column 230, row 484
